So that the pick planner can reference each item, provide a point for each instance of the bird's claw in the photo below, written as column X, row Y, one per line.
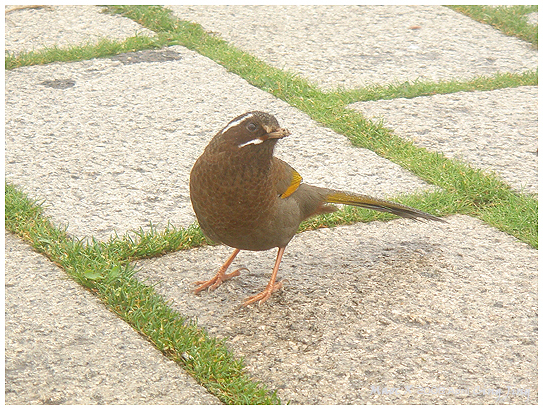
column 216, row 280
column 264, row 295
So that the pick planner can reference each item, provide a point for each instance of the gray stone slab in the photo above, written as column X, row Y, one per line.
column 64, row 347
column 374, row 306
column 495, row 130
column 29, row 29
column 354, row 46
column 109, row 143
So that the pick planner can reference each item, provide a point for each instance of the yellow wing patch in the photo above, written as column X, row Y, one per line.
column 294, row 184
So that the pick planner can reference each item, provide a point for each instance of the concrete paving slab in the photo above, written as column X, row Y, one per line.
column 447, row 314
column 494, row 130
column 64, row 347
column 109, row 143
column 353, row 46
column 29, row 29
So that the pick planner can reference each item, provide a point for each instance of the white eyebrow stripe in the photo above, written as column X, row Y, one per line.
column 255, row 142
column 237, row 122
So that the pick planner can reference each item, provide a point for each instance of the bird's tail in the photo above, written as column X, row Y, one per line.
column 364, row 201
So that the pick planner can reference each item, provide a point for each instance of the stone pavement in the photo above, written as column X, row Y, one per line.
column 109, row 143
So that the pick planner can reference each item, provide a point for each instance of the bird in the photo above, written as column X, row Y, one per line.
column 248, row 199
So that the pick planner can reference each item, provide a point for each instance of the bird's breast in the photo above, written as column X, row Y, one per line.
column 232, row 201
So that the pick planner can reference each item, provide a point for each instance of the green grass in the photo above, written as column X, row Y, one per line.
column 511, row 20
column 102, row 48
column 156, row 18
column 104, row 267
column 418, row 88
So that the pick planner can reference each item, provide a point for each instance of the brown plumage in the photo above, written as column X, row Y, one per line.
column 246, row 198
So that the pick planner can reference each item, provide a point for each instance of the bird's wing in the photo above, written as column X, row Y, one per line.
column 287, row 180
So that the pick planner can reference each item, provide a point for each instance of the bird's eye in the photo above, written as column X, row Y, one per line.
column 251, row 126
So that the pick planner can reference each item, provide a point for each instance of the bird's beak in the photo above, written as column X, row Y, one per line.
column 277, row 133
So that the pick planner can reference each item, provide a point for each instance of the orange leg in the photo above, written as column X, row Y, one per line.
column 272, row 286
column 221, row 276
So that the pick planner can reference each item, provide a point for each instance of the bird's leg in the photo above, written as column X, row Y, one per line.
column 272, row 286
column 221, row 276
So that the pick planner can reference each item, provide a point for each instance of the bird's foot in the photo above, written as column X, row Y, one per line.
column 264, row 295
column 216, row 280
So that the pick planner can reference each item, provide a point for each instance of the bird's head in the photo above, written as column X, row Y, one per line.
column 250, row 131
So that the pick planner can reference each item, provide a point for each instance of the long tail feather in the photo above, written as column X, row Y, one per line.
column 364, row 201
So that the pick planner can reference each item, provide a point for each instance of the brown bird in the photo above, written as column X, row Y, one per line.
column 246, row 198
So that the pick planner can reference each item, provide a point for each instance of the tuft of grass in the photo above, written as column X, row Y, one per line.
column 514, row 213
column 103, row 48
column 418, row 88
column 156, row 18
column 150, row 243
column 511, row 20
column 103, row 269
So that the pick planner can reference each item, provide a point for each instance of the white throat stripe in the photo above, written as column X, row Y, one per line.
column 237, row 122
column 255, row 142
